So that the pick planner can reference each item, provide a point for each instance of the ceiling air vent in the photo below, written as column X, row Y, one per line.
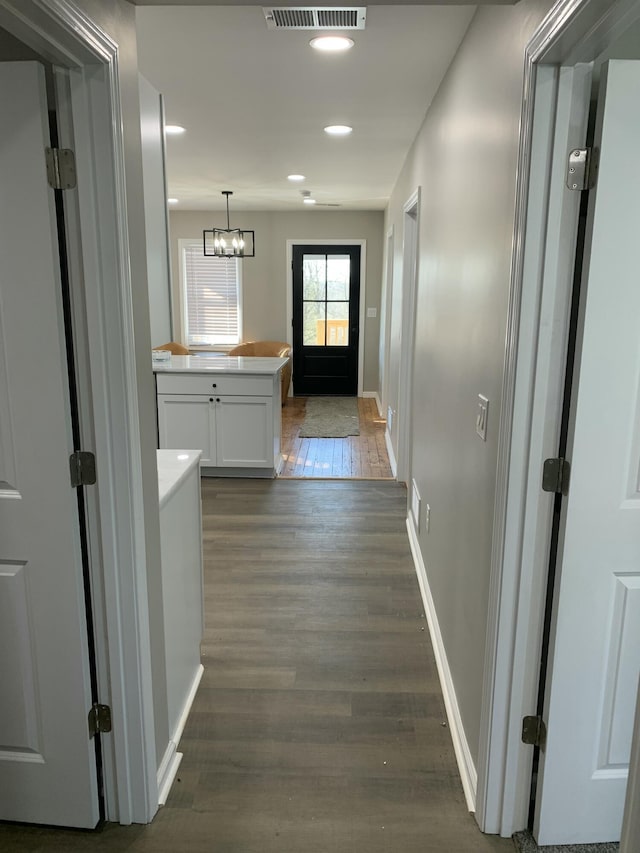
column 315, row 17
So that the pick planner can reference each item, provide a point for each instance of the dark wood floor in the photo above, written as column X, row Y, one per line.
column 358, row 456
column 318, row 727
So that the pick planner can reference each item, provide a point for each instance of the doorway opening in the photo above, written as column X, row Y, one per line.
column 411, row 227
column 325, row 311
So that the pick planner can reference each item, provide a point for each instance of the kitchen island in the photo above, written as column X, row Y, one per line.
column 227, row 407
column 182, row 602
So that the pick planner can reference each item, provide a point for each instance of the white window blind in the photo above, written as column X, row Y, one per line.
column 211, row 297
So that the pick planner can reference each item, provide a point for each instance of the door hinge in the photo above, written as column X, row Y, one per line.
column 582, row 168
column 82, row 468
column 99, row 719
column 555, row 476
column 534, row 731
column 61, row 168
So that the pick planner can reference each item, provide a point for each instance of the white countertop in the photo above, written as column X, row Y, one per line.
column 173, row 467
column 220, row 364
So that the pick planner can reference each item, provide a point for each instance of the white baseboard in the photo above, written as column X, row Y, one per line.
column 172, row 758
column 392, row 456
column 188, row 702
column 167, row 772
column 374, row 395
column 466, row 767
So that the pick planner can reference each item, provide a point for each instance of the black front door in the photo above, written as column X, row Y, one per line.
column 326, row 306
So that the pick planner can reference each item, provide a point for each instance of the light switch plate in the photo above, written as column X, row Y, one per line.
column 482, row 416
column 372, row 312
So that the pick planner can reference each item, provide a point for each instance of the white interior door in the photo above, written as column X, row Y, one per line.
column 47, row 759
column 595, row 644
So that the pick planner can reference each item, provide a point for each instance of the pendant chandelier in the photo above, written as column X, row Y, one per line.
column 228, row 242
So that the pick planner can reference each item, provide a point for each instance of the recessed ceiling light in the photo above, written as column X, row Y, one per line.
column 331, row 44
column 296, row 178
column 308, row 201
column 338, row 129
column 174, row 129
column 173, row 200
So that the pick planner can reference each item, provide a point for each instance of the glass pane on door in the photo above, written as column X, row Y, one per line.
column 313, row 324
column 338, row 273
column 325, row 300
column 314, row 277
column 337, row 324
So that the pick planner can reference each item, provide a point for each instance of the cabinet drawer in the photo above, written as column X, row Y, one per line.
column 212, row 383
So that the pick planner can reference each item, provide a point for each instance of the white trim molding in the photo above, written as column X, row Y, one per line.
column 386, row 301
column 172, row 758
column 363, row 286
column 466, row 767
column 392, row 456
column 410, row 252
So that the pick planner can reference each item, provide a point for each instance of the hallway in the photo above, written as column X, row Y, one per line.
column 318, row 726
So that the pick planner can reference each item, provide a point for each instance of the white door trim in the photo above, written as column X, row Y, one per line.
column 575, row 31
column 361, row 307
column 63, row 34
column 385, row 327
column 410, row 244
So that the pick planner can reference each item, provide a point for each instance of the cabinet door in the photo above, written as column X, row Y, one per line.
column 244, row 432
column 186, row 422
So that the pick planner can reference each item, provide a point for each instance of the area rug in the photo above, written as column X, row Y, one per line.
column 525, row 844
column 331, row 417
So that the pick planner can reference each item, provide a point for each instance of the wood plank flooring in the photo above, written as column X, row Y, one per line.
column 318, row 726
column 358, row 456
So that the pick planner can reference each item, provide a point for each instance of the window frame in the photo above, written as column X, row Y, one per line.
column 185, row 243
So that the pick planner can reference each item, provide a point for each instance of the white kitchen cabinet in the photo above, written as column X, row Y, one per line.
column 232, row 417
column 230, row 431
column 188, row 420
column 243, row 427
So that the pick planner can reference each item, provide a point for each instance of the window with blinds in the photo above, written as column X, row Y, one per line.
column 211, row 297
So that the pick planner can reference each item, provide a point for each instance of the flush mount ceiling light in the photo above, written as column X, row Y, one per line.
column 173, row 200
column 338, row 130
column 174, row 129
column 228, row 242
column 308, row 201
column 296, row 178
column 331, row 44
column 306, row 197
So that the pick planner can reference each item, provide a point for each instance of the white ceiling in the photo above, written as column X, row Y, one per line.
column 255, row 102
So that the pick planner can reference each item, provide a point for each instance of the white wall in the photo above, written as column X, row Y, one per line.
column 464, row 159
column 265, row 277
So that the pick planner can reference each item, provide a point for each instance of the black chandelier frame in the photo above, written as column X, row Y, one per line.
column 228, row 242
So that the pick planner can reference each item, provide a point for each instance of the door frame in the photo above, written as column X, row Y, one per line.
column 385, row 327
column 410, row 264
column 65, row 36
column 363, row 280
column 574, row 32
